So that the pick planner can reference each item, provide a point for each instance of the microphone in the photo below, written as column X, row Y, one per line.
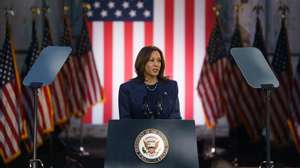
column 147, row 112
column 159, row 106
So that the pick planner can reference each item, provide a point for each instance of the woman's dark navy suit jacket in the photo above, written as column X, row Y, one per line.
column 132, row 99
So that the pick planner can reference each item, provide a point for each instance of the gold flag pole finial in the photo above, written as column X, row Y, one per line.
column 66, row 9
column 283, row 9
column 257, row 9
column 45, row 9
column 86, row 6
column 35, row 11
column 217, row 9
column 238, row 8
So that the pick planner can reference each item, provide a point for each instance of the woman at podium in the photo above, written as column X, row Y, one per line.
column 150, row 95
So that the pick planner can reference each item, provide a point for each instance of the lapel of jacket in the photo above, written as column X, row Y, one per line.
column 139, row 93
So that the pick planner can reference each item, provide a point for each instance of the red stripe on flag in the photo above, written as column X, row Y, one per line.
column 189, row 57
column 148, row 33
column 128, row 46
column 169, row 36
column 108, row 78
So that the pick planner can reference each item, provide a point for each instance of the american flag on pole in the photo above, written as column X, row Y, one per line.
column 259, row 41
column 75, row 96
column 56, row 89
column 28, row 97
column 281, row 98
column 230, row 82
column 87, row 64
column 120, row 28
column 45, row 109
column 209, row 86
column 72, row 101
column 87, row 72
column 9, row 101
column 242, row 101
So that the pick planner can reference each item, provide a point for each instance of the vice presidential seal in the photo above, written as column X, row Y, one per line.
column 151, row 146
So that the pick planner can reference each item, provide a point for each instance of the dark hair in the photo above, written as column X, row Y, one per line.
column 142, row 59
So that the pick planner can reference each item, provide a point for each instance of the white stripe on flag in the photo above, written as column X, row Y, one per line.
column 138, row 41
column 118, row 65
column 159, row 24
column 97, row 112
column 199, row 57
column 179, row 51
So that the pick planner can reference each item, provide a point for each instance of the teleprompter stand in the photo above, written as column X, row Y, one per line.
column 42, row 73
column 258, row 75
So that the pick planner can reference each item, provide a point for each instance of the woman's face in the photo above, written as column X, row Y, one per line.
column 153, row 65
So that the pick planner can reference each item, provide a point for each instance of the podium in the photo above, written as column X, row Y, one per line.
column 135, row 143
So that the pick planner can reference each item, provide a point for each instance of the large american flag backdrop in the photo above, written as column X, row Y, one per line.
column 119, row 29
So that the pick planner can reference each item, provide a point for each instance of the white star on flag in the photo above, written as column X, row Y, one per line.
column 132, row 13
column 111, row 4
column 97, row 4
column 140, row 5
column 104, row 13
column 118, row 13
column 125, row 5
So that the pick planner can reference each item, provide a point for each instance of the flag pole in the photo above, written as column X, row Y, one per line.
column 82, row 150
